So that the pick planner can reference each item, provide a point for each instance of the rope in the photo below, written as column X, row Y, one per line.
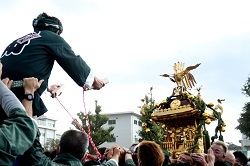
column 99, row 156
column 88, row 125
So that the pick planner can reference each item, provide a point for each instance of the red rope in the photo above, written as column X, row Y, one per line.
column 81, row 128
column 87, row 121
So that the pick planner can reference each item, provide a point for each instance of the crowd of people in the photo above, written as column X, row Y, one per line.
column 218, row 155
column 25, row 68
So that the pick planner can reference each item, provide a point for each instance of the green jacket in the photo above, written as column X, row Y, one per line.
column 35, row 157
column 66, row 159
column 61, row 160
column 17, row 134
column 33, row 55
column 129, row 162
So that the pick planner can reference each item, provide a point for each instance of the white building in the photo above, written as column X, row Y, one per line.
column 245, row 144
column 127, row 126
column 47, row 128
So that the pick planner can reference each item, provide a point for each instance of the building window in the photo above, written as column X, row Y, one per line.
column 41, row 122
column 140, row 123
column 51, row 125
column 112, row 122
column 135, row 122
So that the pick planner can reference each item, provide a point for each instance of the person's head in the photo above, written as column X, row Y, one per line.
column 132, row 147
column 185, row 158
column 150, row 153
column 240, row 158
column 102, row 150
column 75, row 143
column 220, row 149
column 229, row 158
column 46, row 22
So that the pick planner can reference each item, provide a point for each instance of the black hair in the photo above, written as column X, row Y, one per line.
column 46, row 22
column 75, row 143
column 102, row 150
column 241, row 157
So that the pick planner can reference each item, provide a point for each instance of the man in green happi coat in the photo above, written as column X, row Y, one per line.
column 34, row 54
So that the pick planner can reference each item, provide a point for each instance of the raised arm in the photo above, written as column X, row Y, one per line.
column 30, row 85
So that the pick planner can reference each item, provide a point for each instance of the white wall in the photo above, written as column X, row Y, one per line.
column 125, row 130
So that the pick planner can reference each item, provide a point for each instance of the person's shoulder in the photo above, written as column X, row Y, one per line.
column 51, row 36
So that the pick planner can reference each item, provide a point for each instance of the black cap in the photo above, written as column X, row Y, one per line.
column 240, row 156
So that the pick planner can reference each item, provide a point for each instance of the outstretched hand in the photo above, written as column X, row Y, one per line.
column 98, row 84
column 55, row 90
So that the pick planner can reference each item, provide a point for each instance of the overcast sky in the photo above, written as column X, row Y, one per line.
column 133, row 42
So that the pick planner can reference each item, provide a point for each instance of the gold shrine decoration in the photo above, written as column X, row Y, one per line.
column 184, row 116
column 181, row 118
column 183, row 77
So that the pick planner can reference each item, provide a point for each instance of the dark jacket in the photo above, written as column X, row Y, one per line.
column 17, row 133
column 33, row 55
